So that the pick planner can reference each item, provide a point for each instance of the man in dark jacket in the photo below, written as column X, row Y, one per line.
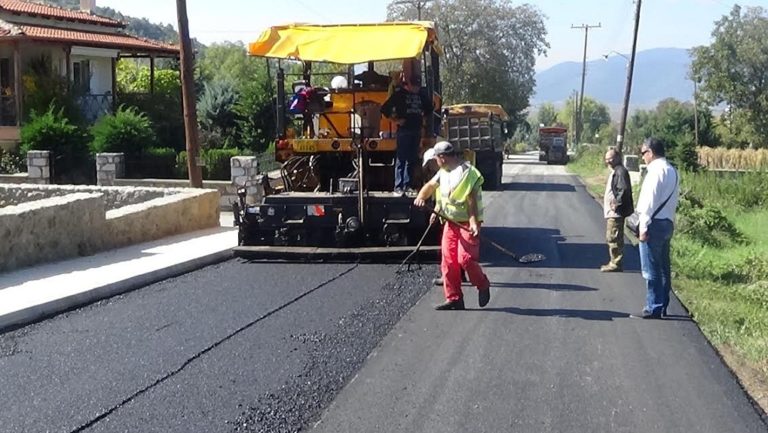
column 407, row 107
column 617, row 205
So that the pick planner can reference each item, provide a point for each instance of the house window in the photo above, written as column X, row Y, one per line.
column 81, row 76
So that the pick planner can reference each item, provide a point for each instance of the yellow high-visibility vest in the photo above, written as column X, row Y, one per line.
column 454, row 204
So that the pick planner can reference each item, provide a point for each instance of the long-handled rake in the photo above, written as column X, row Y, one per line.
column 527, row 258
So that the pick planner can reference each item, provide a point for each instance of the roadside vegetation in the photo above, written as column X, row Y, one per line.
column 719, row 260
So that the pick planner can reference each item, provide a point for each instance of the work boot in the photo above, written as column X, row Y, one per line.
column 483, row 297
column 610, row 267
column 451, row 305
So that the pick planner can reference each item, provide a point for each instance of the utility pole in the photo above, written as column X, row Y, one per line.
column 628, row 89
column 574, row 116
column 696, row 111
column 579, row 119
column 189, row 98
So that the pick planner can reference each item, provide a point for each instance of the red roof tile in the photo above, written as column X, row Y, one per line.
column 24, row 7
column 102, row 40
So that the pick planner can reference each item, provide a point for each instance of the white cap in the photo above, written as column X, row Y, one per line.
column 441, row 148
column 429, row 154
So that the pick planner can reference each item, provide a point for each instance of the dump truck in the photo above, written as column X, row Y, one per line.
column 337, row 151
column 553, row 147
column 482, row 129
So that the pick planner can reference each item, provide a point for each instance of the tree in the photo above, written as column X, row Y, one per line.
column 134, row 77
column 734, row 68
column 217, row 114
column 547, row 114
column 673, row 122
column 595, row 114
column 490, row 49
column 230, row 62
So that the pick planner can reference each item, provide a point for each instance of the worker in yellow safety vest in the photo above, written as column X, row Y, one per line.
column 459, row 198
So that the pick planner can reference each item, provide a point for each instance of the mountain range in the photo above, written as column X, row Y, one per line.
column 659, row 73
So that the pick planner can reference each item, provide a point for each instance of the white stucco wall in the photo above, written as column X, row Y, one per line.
column 101, row 73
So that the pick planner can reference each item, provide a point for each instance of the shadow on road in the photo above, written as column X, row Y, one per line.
column 553, row 245
column 605, row 315
column 553, row 287
column 538, row 187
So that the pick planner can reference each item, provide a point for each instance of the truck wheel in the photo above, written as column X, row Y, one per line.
column 492, row 179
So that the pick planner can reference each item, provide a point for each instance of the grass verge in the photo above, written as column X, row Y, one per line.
column 719, row 262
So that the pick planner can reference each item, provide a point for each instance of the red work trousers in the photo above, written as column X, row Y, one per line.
column 460, row 250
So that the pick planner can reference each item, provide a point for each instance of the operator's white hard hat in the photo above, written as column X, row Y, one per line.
column 441, row 148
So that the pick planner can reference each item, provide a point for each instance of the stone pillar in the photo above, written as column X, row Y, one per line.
column 109, row 166
column 245, row 170
column 39, row 166
column 632, row 162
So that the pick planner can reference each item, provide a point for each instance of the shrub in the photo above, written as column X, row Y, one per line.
column 44, row 88
column 217, row 163
column 11, row 162
column 157, row 163
column 67, row 142
column 165, row 114
column 706, row 223
column 216, row 111
column 127, row 131
column 256, row 121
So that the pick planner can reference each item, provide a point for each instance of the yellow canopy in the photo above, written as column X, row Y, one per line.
column 460, row 109
column 344, row 43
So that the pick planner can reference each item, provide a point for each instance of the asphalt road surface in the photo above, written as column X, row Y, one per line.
column 555, row 350
column 355, row 348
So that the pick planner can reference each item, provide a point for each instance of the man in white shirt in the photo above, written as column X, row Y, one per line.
column 656, row 205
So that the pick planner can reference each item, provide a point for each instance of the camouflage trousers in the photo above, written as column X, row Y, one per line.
column 614, row 236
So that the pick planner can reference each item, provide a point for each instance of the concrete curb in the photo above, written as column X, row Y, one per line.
column 46, row 310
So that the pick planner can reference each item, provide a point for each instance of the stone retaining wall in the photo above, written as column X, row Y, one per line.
column 114, row 197
column 161, row 217
column 51, row 229
column 67, row 221
column 227, row 191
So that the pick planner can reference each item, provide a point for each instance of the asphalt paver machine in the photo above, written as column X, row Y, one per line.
column 337, row 152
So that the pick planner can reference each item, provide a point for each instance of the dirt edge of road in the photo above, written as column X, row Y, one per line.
column 748, row 374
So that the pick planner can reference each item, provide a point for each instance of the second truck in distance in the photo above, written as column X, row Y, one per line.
column 482, row 129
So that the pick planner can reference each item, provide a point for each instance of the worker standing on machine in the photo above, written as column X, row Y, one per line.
column 407, row 107
column 459, row 200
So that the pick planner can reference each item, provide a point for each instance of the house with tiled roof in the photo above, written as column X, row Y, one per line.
column 77, row 45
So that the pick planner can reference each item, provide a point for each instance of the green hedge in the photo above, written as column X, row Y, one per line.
column 217, row 163
column 67, row 142
column 127, row 131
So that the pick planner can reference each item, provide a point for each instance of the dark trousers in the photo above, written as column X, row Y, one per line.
column 407, row 157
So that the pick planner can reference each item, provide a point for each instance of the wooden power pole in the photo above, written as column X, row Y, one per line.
column 628, row 88
column 189, row 98
column 580, row 111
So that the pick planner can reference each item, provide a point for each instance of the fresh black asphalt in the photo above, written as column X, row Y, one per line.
column 277, row 347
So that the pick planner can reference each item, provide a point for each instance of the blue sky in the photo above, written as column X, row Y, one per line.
column 663, row 23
